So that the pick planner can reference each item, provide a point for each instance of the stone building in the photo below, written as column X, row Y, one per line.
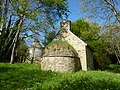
column 72, row 56
column 35, row 52
column 60, row 56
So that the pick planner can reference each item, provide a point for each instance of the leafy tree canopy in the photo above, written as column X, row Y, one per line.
column 27, row 18
column 86, row 30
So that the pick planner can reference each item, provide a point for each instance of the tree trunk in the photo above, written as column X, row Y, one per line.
column 18, row 23
column 12, row 55
column 14, row 46
column 33, row 56
column 0, row 16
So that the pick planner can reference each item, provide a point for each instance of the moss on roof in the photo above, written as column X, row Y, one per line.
column 60, row 48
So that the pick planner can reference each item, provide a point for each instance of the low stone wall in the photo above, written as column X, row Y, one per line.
column 61, row 64
column 36, row 60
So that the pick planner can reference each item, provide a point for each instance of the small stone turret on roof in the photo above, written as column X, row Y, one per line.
column 35, row 52
column 36, row 44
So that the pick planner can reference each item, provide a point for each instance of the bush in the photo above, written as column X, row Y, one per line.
column 113, row 68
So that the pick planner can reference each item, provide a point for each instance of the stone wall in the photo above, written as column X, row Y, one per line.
column 79, row 45
column 89, row 58
column 60, row 64
column 36, row 60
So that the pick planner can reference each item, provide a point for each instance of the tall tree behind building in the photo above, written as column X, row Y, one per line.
column 110, row 35
column 90, row 32
column 25, row 18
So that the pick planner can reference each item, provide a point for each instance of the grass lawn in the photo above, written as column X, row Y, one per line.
column 30, row 77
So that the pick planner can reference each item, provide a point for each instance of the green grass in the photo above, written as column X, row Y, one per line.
column 22, row 76
column 30, row 77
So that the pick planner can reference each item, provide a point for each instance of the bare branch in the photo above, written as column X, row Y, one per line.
column 113, row 9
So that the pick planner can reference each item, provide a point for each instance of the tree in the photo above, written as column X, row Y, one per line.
column 89, row 32
column 111, row 37
column 21, row 52
column 102, row 9
column 23, row 18
column 49, row 37
column 86, row 30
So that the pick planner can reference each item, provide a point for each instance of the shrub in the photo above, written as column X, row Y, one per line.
column 113, row 68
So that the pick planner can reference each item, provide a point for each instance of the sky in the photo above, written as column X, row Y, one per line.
column 75, row 10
